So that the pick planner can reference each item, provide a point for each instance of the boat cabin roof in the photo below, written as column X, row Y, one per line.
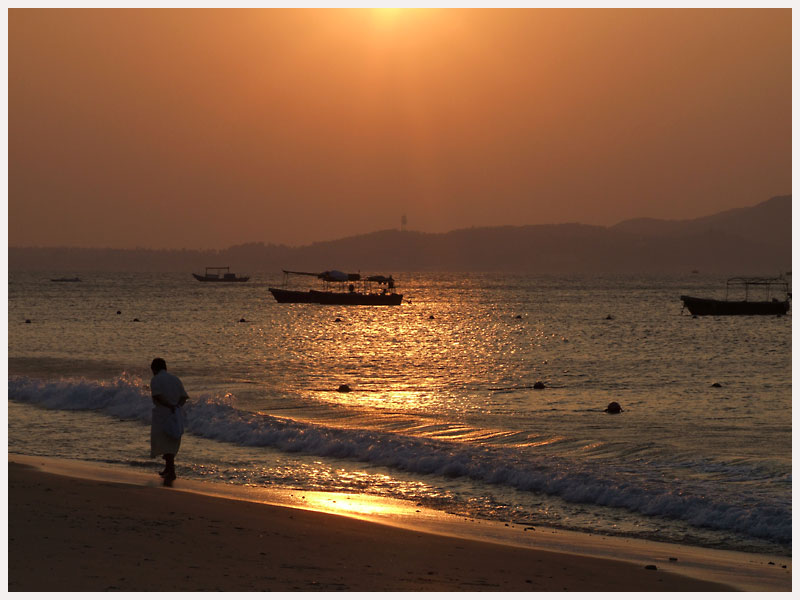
column 765, row 283
column 339, row 276
column 331, row 275
column 757, row 281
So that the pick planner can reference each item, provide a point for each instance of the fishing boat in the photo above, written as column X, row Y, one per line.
column 340, row 289
column 220, row 274
column 744, row 306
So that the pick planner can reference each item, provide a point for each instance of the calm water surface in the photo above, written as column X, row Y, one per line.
column 443, row 409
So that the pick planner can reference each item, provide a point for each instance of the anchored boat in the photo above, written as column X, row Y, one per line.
column 220, row 274
column 746, row 306
column 341, row 289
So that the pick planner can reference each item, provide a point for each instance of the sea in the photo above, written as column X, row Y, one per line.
column 483, row 395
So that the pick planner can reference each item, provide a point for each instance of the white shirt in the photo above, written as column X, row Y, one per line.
column 170, row 389
column 167, row 386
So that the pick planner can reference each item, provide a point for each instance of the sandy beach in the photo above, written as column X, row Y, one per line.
column 77, row 534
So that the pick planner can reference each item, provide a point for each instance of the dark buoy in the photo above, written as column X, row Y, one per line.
column 27, row 320
column 242, row 320
column 716, row 384
column 518, row 317
column 119, row 312
column 609, row 318
column 538, row 385
column 344, row 388
column 430, row 317
column 337, row 320
column 136, row 320
column 613, row 408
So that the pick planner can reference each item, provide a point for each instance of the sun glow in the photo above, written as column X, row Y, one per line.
column 397, row 17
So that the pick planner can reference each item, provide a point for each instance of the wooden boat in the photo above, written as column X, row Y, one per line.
column 220, row 274
column 769, row 306
column 340, row 288
column 291, row 296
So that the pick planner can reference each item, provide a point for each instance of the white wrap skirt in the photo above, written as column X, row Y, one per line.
column 160, row 441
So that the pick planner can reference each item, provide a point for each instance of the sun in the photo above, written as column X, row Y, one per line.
column 395, row 16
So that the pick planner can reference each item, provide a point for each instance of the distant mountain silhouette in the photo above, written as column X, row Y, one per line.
column 768, row 222
column 754, row 240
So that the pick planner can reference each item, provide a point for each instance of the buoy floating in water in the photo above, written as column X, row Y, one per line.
column 538, row 385
column 344, row 388
column 613, row 408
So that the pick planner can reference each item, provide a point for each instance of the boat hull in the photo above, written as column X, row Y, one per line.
column 220, row 279
column 708, row 306
column 356, row 298
column 335, row 298
column 291, row 296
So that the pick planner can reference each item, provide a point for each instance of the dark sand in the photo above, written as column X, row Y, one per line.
column 71, row 534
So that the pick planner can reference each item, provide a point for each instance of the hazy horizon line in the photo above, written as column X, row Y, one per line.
column 390, row 229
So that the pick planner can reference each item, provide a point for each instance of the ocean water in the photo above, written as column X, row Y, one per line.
column 443, row 410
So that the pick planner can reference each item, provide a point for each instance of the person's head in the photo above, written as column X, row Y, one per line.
column 158, row 364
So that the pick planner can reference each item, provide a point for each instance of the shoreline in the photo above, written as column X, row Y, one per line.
column 94, row 527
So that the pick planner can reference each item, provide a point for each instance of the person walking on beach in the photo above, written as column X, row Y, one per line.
column 167, row 423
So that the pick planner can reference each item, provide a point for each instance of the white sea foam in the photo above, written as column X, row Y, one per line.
column 217, row 418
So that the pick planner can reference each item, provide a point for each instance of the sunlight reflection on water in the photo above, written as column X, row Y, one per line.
column 464, row 378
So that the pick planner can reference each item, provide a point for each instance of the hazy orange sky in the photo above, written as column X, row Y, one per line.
column 204, row 128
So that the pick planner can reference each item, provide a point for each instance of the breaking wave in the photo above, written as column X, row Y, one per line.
column 587, row 482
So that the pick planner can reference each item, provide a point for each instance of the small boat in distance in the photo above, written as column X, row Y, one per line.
column 67, row 280
column 340, row 288
column 769, row 306
column 220, row 274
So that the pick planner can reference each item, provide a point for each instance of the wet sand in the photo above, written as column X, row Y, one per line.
column 73, row 534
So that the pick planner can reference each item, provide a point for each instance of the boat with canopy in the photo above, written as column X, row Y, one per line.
column 340, row 288
column 220, row 274
column 746, row 305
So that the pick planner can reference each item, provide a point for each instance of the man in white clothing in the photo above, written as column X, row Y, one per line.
column 167, row 423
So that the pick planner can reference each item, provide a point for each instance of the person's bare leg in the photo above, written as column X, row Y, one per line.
column 169, row 469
